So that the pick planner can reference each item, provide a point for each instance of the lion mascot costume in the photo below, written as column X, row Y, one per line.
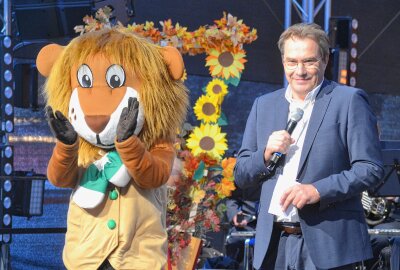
column 114, row 102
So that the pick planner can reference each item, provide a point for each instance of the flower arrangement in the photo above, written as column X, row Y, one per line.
column 205, row 178
column 194, row 206
column 222, row 42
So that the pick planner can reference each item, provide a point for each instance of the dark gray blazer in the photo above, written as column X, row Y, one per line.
column 341, row 157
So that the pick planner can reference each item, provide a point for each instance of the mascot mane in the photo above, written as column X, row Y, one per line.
column 164, row 99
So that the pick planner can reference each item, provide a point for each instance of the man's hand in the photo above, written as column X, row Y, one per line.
column 61, row 127
column 278, row 141
column 299, row 195
column 128, row 120
column 239, row 223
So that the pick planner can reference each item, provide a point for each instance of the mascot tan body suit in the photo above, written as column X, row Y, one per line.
column 114, row 103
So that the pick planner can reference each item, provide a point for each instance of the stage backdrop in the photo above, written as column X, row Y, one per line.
column 378, row 67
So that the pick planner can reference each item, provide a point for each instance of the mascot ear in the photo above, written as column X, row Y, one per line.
column 174, row 61
column 47, row 57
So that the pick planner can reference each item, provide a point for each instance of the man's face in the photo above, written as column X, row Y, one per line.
column 303, row 65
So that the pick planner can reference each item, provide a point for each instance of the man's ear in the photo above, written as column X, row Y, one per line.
column 47, row 57
column 174, row 61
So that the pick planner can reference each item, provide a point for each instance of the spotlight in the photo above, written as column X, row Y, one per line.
column 7, row 84
column 352, row 81
column 7, row 42
column 7, row 59
column 7, row 169
column 7, row 185
column 354, row 38
column 7, row 220
column 353, row 52
column 6, row 238
column 8, row 152
column 353, row 67
column 8, row 109
column 9, row 126
column 7, row 202
column 8, row 92
column 354, row 24
column 7, row 75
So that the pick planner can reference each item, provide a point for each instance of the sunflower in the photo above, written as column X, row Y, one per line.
column 207, row 139
column 226, row 64
column 217, row 88
column 207, row 109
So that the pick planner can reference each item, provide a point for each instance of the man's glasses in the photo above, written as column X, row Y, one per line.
column 291, row 64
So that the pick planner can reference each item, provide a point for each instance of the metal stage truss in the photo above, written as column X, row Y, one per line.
column 307, row 12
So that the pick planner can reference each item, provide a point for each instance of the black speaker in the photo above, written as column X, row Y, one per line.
column 49, row 19
column 340, row 32
column 331, row 71
column 342, row 66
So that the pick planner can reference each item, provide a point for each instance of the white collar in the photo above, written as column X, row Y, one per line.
column 310, row 97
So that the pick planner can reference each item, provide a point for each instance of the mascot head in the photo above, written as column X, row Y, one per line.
column 91, row 79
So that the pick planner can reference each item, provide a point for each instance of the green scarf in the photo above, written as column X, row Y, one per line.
column 93, row 185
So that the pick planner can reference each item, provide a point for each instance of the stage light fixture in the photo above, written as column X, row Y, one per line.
column 7, row 156
column 7, row 160
column 6, row 238
column 8, row 109
column 28, row 194
column 7, row 185
column 353, row 53
column 8, row 151
column 8, row 75
column 8, row 168
column 7, row 42
column 353, row 81
column 8, row 92
column 354, row 24
column 7, row 84
column 7, row 59
column 342, row 66
column 353, row 67
column 7, row 126
column 354, row 38
column 7, row 202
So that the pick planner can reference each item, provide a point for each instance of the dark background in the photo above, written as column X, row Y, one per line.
column 378, row 66
column 378, row 47
column 378, row 32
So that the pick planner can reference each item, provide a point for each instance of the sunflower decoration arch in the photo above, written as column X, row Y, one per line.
column 205, row 176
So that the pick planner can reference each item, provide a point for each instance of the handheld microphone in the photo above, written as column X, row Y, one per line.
column 295, row 117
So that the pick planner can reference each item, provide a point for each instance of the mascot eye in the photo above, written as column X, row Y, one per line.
column 115, row 76
column 85, row 77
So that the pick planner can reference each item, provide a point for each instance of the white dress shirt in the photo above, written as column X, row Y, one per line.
column 292, row 160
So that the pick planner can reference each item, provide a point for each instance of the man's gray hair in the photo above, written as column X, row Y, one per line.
column 306, row 30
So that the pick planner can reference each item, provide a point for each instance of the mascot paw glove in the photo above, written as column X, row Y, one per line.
column 61, row 127
column 128, row 120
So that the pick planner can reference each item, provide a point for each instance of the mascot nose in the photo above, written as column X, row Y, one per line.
column 97, row 123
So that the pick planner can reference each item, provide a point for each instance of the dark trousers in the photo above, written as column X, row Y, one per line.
column 291, row 253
